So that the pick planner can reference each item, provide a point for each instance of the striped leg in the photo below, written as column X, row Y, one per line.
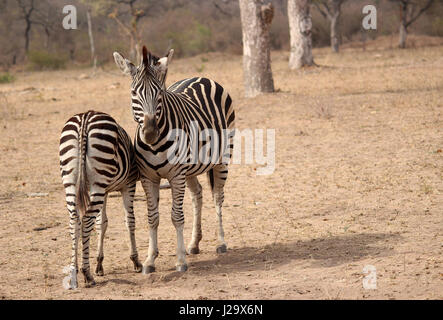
column 152, row 195
column 102, row 225
column 74, row 226
column 178, row 186
column 128, row 204
column 196, row 193
column 95, row 206
column 219, row 175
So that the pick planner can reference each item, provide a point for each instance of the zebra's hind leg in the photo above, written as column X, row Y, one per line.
column 217, row 177
column 128, row 204
column 95, row 206
column 74, row 226
column 102, row 225
column 178, row 185
column 152, row 196
column 196, row 193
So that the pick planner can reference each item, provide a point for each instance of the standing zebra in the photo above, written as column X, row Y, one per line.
column 187, row 105
column 96, row 157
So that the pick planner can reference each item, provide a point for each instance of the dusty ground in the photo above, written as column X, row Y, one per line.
column 358, row 181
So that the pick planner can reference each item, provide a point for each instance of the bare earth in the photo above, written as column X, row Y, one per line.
column 358, row 181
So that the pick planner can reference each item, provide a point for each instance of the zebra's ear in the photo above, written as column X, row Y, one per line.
column 163, row 63
column 126, row 66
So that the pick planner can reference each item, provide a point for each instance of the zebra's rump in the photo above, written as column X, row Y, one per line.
column 108, row 150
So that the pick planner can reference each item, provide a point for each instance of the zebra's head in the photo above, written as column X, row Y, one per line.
column 147, row 89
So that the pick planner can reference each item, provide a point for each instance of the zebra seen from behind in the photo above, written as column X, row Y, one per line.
column 188, row 106
column 96, row 157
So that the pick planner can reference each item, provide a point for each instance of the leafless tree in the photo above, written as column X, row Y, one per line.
column 410, row 11
column 119, row 10
column 91, row 39
column 300, row 25
column 331, row 9
column 27, row 7
column 256, row 18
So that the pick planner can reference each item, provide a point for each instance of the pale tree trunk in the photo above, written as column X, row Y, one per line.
column 331, row 9
column 402, row 36
column 335, row 15
column 256, row 20
column 403, row 24
column 300, row 25
column 91, row 40
column 408, row 15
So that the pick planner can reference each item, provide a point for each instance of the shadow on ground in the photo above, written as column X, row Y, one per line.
column 325, row 252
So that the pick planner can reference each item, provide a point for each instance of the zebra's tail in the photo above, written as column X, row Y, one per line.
column 210, row 175
column 82, row 194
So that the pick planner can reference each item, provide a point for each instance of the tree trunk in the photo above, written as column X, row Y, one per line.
column 334, row 18
column 300, row 25
column 256, row 20
column 334, row 33
column 27, row 30
column 403, row 27
column 402, row 37
column 48, row 34
column 91, row 39
column 133, row 55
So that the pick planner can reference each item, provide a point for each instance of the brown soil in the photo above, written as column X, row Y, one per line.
column 358, row 181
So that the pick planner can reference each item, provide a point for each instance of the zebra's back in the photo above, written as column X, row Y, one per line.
column 193, row 105
column 210, row 97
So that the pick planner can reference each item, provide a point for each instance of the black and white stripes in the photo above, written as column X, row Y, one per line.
column 171, row 122
column 96, row 157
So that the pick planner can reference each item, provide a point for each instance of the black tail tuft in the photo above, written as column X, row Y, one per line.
column 210, row 174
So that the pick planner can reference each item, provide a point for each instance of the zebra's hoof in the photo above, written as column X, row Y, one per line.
column 72, row 284
column 221, row 248
column 137, row 265
column 193, row 250
column 89, row 279
column 181, row 268
column 148, row 269
column 90, row 282
column 99, row 270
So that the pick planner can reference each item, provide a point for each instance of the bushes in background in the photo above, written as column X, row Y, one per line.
column 40, row 60
column 6, row 78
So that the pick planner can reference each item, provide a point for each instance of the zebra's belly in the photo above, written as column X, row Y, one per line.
column 152, row 167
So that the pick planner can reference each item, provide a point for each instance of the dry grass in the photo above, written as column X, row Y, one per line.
column 358, row 181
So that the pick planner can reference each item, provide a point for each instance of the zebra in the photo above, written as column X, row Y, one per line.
column 159, row 111
column 96, row 157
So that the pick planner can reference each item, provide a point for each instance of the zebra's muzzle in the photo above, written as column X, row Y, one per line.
column 150, row 129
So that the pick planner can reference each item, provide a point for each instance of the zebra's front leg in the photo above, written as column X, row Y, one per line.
column 152, row 196
column 128, row 203
column 178, row 186
column 196, row 193
column 102, row 225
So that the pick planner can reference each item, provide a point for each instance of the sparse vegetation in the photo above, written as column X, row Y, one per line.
column 6, row 78
column 40, row 60
column 191, row 28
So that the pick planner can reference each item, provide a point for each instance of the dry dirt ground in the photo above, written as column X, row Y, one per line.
column 358, row 182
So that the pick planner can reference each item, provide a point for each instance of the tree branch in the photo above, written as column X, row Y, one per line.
column 325, row 13
column 426, row 7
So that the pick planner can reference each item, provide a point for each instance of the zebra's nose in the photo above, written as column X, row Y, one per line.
column 150, row 128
